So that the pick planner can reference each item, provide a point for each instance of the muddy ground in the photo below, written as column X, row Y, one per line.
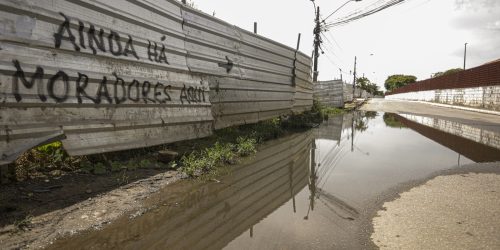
column 55, row 207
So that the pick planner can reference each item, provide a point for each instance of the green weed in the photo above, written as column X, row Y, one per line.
column 145, row 163
column 246, row 146
column 192, row 164
column 99, row 168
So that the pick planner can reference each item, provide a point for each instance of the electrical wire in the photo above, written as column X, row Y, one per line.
column 360, row 14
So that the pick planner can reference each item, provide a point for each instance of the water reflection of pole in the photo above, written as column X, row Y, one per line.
column 312, row 179
column 312, row 185
column 352, row 133
column 291, row 184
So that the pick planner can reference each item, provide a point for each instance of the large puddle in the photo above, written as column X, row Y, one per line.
column 305, row 191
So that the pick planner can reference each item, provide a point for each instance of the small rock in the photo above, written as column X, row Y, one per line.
column 84, row 216
column 167, row 156
column 56, row 172
column 46, row 180
column 88, row 191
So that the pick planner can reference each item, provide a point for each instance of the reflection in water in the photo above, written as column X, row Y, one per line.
column 391, row 120
column 210, row 215
column 300, row 192
column 477, row 144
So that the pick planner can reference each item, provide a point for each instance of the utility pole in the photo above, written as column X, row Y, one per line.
column 255, row 27
column 354, row 81
column 298, row 42
column 340, row 74
column 317, row 42
column 465, row 54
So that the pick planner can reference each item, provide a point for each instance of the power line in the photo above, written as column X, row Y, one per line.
column 331, row 48
column 335, row 41
column 358, row 15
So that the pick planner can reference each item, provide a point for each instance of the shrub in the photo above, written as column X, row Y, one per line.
column 246, row 146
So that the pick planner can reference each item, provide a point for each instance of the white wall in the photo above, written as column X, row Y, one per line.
column 487, row 97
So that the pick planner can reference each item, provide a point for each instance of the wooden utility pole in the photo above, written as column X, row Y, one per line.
column 298, row 42
column 465, row 53
column 354, row 81
column 317, row 31
column 255, row 27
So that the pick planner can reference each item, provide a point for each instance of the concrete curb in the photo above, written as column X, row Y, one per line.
column 491, row 112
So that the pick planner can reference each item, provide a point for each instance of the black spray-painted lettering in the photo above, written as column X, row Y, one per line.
column 146, row 88
column 93, row 39
column 163, row 56
column 184, row 95
column 27, row 84
column 152, row 53
column 119, row 82
column 135, row 84
column 157, row 93
column 129, row 48
column 192, row 94
column 64, row 28
column 167, row 95
column 51, row 83
column 103, row 91
column 114, row 38
column 80, row 88
column 80, row 33
column 59, row 86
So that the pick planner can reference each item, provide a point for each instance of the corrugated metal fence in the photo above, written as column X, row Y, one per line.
column 484, row 75
column 329, row 93
column 111, row 75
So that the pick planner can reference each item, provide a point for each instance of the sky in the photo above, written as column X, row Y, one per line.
column 417, row 37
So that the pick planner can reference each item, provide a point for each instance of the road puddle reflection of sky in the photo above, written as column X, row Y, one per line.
column 304, row 191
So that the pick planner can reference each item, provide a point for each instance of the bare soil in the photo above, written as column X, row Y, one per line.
column 35, row 213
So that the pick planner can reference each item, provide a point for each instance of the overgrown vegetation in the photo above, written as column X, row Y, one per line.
column 365, row 84
column 447, row 72
column 324, row 111
column 392, row 121
column 196, row 156
column 397, row 81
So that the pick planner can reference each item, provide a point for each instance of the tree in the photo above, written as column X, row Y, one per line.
column 398, row 81
column 448, row 72
column 365, row 84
